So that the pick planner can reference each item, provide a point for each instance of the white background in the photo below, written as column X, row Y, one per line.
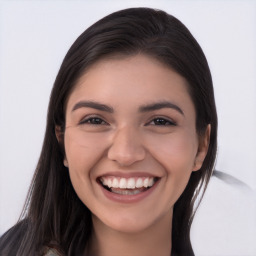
column 35, row 36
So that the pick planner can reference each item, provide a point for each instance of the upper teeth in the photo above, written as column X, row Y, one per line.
column 131, row 183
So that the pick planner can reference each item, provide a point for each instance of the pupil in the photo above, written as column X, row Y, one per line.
column 160, row 121
column 96, row 121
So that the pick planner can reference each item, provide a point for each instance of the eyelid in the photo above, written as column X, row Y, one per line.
column 167, row 119
column 86, row 118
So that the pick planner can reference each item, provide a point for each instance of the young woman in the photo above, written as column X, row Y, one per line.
column 130, row 143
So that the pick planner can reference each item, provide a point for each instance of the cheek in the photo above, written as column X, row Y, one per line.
column 175, row 151
column 176, row 154
column 82, row 155
column 83, row 152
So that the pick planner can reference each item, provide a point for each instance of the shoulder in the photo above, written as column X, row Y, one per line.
column 16, row 239
column 52, row 252
column 10, row 241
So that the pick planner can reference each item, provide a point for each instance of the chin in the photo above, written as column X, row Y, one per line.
column 133, row 222
column 129, row 226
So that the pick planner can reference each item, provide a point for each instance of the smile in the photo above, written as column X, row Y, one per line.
column 127, row 186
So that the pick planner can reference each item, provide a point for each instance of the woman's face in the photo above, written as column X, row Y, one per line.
column 131, row 142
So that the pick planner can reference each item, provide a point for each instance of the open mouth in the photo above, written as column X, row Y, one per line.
column 127, row 186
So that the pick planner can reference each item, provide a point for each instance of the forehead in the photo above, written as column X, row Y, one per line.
column 133, row 79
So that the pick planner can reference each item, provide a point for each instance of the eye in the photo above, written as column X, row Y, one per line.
column 159, row 121
column 93, row 121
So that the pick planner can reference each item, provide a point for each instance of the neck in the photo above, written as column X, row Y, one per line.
column 155, row 240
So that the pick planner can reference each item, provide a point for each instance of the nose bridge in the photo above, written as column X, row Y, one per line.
column 126, row 147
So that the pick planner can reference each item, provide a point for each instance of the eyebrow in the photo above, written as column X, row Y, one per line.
column 160, row 105
column 93, row 104
column 144, row 108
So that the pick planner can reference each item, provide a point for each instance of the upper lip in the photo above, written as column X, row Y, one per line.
column 128, row 174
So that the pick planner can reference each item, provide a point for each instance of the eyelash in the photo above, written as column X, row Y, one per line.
column 158, row 121
column 162, row 122
column 93, row 120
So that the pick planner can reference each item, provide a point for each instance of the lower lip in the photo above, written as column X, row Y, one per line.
column 128, row 198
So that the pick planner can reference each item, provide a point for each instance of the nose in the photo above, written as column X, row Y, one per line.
column 126, row 147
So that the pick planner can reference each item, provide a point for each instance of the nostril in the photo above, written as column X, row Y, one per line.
column 125, row 159
column 126, row 156
column 126, row 147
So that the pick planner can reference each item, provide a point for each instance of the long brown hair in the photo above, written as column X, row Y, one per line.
column 53, row 215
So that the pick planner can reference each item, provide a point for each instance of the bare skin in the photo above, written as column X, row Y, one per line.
column 131, row 118
column 108, row 242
